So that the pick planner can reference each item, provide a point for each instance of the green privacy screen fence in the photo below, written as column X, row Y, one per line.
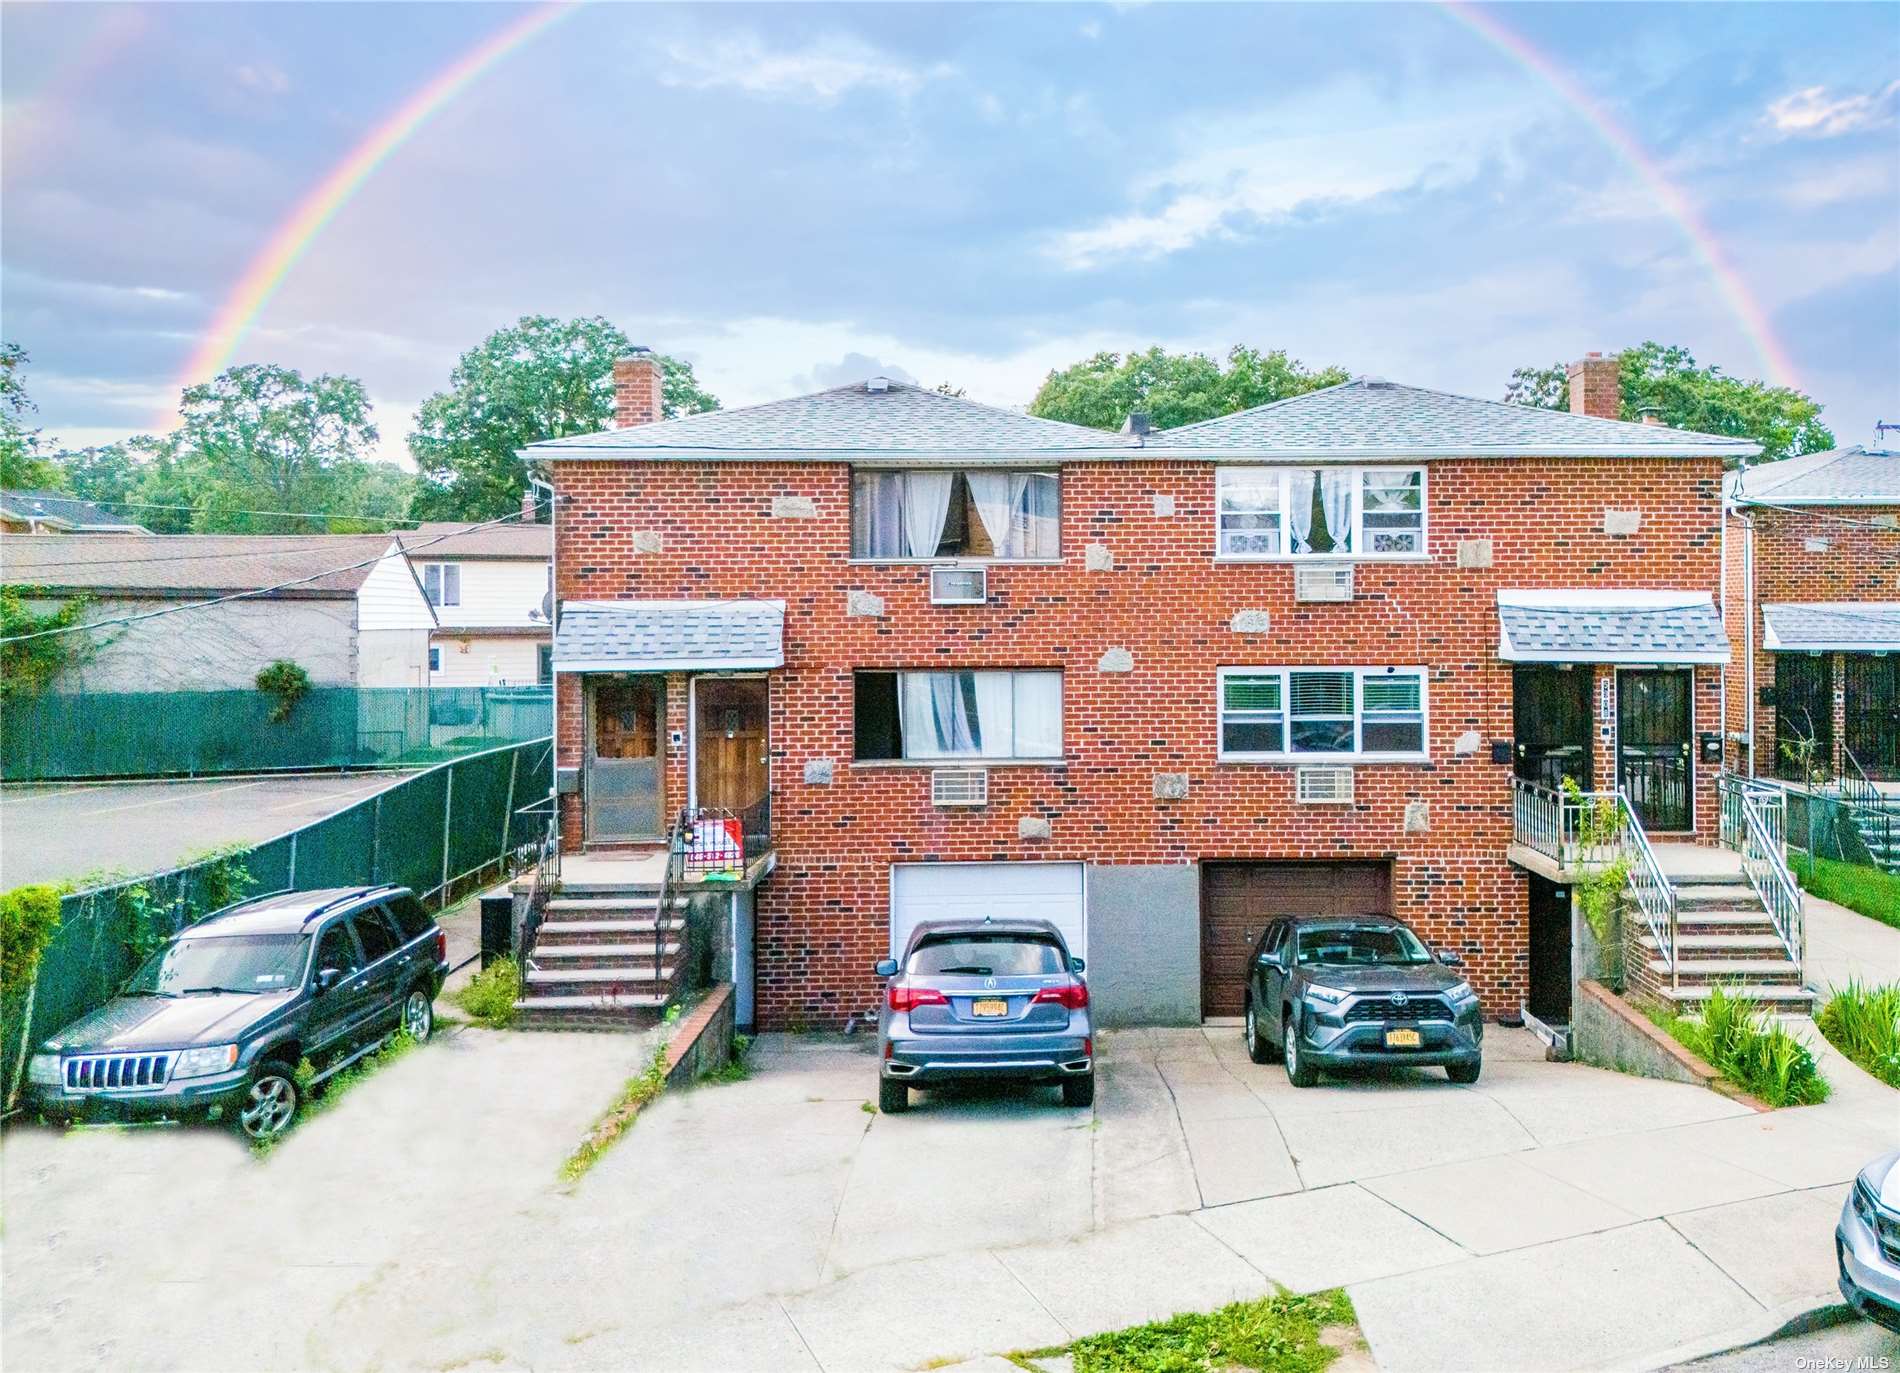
column 431, row 833
column 192, row 733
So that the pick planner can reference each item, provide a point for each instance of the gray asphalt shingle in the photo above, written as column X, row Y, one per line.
column 1593, row 627
column 650, row 636
column 1850, row 626
column 1841, row 476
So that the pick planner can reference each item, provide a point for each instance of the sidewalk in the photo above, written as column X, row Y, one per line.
column 1845, row 944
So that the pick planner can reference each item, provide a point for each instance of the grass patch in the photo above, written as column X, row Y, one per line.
column 1867, row 890
column 489, row 997
column 1279, row 1333
column 314, row 1098
column 614, row 1122
column 735, row 1068
column 1751, row 1049
column 1863, row 1022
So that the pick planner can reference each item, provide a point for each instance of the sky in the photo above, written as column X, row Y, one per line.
column 795, row 196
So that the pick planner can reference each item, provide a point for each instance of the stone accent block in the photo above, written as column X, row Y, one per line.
column 794, row 508
column 865, row 603
column 1474, row 553
column 1467, row 744
column 1097, row 558
column 1622, row 522
column 1034, row 827
column 1164, row 506
column 1116, row 660
column 1418, row 817
column 1816, row 545
column 818, row 771
column 1171, row 786
column 648, row 541
column 1251, row 622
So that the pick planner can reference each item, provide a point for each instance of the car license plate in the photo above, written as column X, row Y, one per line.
column 990, row 1006
column 1401, row 1039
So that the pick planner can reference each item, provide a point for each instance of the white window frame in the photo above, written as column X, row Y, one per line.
column 1287, row 753
column 435, row 657
column 950, row 558
column 447, row 579
column 979, row 760
column 1254, row 473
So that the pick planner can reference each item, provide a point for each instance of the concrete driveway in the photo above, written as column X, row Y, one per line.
column 1551, row 1217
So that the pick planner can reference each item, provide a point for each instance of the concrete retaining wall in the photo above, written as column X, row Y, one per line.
column 702, row 1041
column 1144, row 943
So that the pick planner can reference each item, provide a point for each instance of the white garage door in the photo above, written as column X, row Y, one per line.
column 970, row 891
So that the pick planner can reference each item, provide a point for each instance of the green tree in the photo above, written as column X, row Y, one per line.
column 539, row 378
column 23, row 463
column 1173, row 388
column 1667, row 381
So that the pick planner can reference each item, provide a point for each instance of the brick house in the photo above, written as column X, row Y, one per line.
column 1153, row 685
column 1811, row 577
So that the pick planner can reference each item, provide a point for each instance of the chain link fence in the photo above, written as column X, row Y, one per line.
column 437, row 833
column 196, row 733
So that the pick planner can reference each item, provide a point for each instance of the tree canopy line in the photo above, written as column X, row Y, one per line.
column 259, row 439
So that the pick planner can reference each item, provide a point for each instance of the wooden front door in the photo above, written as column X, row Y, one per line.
column 1654, row 766
column 624, row 760
column 1237, row 900
column 730, row 758
column 1551, row 725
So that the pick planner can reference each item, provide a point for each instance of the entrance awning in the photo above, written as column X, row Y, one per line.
column 1662, row 627
column 670, row 636
column 1831, row 627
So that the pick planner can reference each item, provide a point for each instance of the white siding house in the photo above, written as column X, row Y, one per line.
column 490, row 592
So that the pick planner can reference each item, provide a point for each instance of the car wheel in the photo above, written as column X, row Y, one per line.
column 270, row 1104
column 1298, row 1071
column 1256, row 1042
column 1464, row 1073
column 1078, row 1091
column 893, row 1097
column 418, row 1014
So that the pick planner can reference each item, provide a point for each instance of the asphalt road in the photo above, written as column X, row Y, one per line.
column 69, row 831
column 1857, row 1344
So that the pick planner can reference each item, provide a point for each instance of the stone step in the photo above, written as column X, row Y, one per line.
column 578, row 955
column 1776, row 996
column 593, row 1001
column 1710, row 921
column 551, row 928
column 1740, row 944
column 617, row 982
column 1723, row 969
column 1699, row 894
column 586, row 905
column 612, row 1015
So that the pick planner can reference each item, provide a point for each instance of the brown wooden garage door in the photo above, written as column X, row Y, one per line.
column 1238, row 899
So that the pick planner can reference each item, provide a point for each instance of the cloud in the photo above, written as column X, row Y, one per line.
column 822, row 71
column 1813, row 113
column 856, row 367
column 263, row 78
column 1257, row 173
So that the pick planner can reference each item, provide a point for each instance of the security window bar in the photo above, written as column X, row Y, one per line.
column 1338, row 713
column 1320, row 512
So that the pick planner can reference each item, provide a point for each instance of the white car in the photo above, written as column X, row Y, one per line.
column 1867, row 1242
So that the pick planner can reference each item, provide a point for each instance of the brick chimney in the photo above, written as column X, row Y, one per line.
column 637, row 380
column 527, row 505
column 1596, row 387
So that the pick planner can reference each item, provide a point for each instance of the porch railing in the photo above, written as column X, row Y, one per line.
column 1594, row 829
column 1736, row 793
column 1872, row 811
column 1765, row 864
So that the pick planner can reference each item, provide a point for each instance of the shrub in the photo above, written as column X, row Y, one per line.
column 1752, row 1050
column 29, row 916
column 491, row 994
column 1864, row 1023
column 1281, row 1333
column 286, row 684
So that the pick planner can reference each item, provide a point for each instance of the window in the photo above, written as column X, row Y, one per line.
column 240, row 962
column 435, row 658
column 929, row 715
column 337, row 949
column 409, row 916
column 378, row 933
column 988, row 955
column 970, row 514
column 1345, row 713
column 1320, row 512
column 442, row 583
column 544, row 664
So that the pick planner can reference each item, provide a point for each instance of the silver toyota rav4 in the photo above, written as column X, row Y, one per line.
column 984, row 999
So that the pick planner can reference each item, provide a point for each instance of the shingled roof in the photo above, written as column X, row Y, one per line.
column 193, row 565
column 1841, row 476
column 455, row 539
column 1590, row 626
column 54, row 511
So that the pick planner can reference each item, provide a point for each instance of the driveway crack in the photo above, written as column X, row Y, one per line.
column 844, row 1190
column 1713, row 1262
column 1017, row 1278
column 1265, row 1105
column 1181, row 1126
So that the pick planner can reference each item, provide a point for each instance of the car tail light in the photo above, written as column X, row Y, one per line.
column 1075, row 995
column 909, row 998
column 441, row 946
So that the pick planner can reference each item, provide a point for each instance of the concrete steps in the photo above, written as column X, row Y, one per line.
column 605, row 958
column 1725, row 937
column 1776, row 997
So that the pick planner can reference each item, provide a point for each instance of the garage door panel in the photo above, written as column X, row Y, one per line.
column 1239, row 898
column 1001, row 891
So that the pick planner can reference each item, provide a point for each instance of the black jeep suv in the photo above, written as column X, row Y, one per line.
column 216, row 1021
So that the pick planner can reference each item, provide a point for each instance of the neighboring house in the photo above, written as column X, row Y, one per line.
column 345, row 625
column 1157, row 686
column 1812, row 576
column 48, row 512
column 491, row 589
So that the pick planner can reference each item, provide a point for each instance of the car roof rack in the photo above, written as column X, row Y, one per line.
column 356, row 894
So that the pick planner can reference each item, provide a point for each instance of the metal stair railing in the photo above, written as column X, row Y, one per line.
column 1765, row 864
column 1735, row 792
column 1649, row 886
column 1868, row 808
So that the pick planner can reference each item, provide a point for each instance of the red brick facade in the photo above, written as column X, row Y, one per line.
column 823, row 916
column 1860, row 561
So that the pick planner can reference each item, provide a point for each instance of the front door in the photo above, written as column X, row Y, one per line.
column 1549, row 995
column 1872, row 685
column 1654, row 766
column 624, row 759
column 730, row 758
column 1551, row 725
column 1804, row 718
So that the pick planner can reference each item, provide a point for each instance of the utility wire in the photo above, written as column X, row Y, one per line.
column 193, row 509
column 255, row 591
column 1813, row 512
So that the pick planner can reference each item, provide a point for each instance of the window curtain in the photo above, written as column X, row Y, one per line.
column 1335, row 497
column 926, row 507
column 998, row 498
column 935, row 719
column 1299, row 511
column 1038, row 714
column 995, row 714
column 1042, row 515
column 881, row 515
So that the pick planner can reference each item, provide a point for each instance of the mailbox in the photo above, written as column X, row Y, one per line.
column 1711, row 748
